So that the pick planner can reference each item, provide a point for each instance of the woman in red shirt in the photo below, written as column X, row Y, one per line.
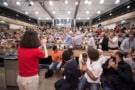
column 28, row 56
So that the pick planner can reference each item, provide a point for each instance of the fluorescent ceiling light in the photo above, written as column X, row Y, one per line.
column 101, row 1
column 26, row 13
column 51, row 3
column 66, row 1
column 5, row 3
column 117, row 1
column 98, row 12
column 18, row 3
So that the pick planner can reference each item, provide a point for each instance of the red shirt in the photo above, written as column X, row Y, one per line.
column 28, row 61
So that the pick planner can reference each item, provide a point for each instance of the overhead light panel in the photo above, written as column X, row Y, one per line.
column 101, row 1
column 98, row 12
column 26, row 13
column 51, row 3
column 18, row 3
column 117, row 1
column 66, row 1
column 39, row 18
column 5, row 3
column 88, row 18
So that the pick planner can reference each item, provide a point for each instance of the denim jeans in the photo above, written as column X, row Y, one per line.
column 84, row 83
column 55, row 66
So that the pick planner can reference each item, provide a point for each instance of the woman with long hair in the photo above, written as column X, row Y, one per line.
column 28, row 58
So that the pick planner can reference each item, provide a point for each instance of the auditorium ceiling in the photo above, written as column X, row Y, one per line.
column 62, row 9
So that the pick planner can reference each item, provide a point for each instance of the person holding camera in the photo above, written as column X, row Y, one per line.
column 117, row 74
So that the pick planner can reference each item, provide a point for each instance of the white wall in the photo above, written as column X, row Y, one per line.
column 14, row 26
column 110, row 26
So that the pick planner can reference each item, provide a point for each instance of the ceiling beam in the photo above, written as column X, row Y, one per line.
column 44, row 7
column 76, row 9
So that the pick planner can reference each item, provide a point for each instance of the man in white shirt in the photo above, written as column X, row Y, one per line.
column 113, row 42
column 91, row 41
column 93, row 71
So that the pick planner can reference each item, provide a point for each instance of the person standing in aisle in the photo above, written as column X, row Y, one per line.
column 28, row 58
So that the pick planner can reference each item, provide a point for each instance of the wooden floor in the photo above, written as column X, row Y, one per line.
column 45, row 84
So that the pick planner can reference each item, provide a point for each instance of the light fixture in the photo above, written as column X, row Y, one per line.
column 98, row 12
column 66, row 1
column 87, row 12
column 29, row 19
column 69, row 12
column 26, row 13
column 76, row 3
column 51, row 3
column 39, row 18
column 32, row 3
column 17, row 15
column 88, row 18
column 86, row 1
column 36, row 12
column 47, row 18
column 54, row 12
column 18, row 3
column 128, row 6
column 101, row 1
column 79, row 18
column 117, row 1
column 99, row 19
column 5, row 3
column 89, row 2
column 110, row 14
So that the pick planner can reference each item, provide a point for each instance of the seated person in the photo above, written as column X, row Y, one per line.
column 71, row 73
column 131, row 62
column 82, row 60
column 93, row 71
column 117, row 74
column 56, row 59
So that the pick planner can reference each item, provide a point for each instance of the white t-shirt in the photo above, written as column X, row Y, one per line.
column 115, row 42
column 96, row 69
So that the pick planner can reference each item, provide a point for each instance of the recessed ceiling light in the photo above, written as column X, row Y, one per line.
column 76, row 3
column 79, row 18
column 89, row 2
column 18, row 3
column 98, row 12
column 101, row 1
column 47, row 18
column 54, row 12
column 88, row 18
column 5, row 3
column 69, row 12
column 110, row 14
column 86, row 2
column 39, row 18
column 51, row 3
column 87, row 12
column 117, row 1
column 66, row 1
column 31, row 2
column 128, row 6
column 36, row 12
column 26, row 13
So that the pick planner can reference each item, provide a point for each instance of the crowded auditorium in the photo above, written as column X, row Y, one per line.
column 67, row 44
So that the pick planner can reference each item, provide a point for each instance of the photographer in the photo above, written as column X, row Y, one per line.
column 117, row 74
